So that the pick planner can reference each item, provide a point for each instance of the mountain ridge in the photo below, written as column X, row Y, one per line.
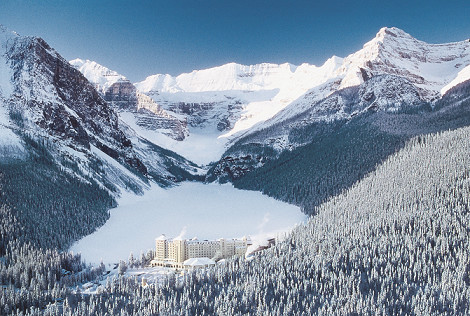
column 44, row 97
column 230, row 101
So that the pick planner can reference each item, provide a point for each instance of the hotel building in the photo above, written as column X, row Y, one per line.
column 174, row 252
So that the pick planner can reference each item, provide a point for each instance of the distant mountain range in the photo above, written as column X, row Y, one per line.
column 238, row 117
column 215, row 107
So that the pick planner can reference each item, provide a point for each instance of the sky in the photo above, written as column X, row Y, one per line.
column 141, row 38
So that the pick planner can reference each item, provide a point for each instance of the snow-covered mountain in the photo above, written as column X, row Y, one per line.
column 133, row 107
column 214, row 104
column 431, row 68
column 46, row 102
column 102, row 77
column 396, row 87
column 211, row 109
column 222, row 104
column 428, row 66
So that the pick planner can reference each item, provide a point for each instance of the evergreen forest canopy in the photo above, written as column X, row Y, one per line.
column 394, row 243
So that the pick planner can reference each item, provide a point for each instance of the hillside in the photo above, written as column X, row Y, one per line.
column 64, row 159
column 394, row 243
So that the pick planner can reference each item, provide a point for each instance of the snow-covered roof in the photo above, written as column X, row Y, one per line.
column 194, row 262
column 162, row 237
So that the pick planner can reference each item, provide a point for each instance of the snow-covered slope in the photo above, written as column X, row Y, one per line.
column 219, row 105
column 393, row 51
column 462, row 76
column 233, row 76
column 431, row 68
column 229, row 101
column 243, row 95
column 48, row 102
column 103, row 78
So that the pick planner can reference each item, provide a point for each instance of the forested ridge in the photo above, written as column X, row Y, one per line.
column 43, row 210
column 397, row 242
column 335, row 155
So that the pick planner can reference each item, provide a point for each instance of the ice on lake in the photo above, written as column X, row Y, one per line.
column 206, row 211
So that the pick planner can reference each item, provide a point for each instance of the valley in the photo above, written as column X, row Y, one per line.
column 360, row 166
column 206, row 211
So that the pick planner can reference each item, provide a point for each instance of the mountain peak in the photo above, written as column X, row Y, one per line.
column 77, row 62
column 394, row 32
column 6, row 33
column 102, row 77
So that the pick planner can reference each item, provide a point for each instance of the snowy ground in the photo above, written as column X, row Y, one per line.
column 153, row 275
column 208, row 211
column 202, row 146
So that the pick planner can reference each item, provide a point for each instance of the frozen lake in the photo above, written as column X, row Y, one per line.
column 206, row 211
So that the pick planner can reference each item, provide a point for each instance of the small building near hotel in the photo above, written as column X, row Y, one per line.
column 194, row 263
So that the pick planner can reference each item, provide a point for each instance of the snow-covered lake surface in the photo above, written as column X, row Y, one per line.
column 206, row 211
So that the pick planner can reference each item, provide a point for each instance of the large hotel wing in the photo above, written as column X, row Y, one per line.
column 181, row 253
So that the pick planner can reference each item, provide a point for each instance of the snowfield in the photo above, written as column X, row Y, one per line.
column 206, row 211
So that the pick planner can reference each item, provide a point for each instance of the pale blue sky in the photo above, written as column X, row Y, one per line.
column 140, row 38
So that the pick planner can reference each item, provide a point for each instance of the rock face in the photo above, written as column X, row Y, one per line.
column 232, row 102
column 59, row 99
column 44, row 97
column 151, row 116
column 124, row 98
column 122, row 95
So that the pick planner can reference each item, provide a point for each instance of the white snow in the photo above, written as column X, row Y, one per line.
column 392, row 51
column 209, row 211
column 194, row 262
column 276, row 86
column 462, row 76
column 101, row 76
column 245, row 95
column 252, row 97
column 202, row 146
